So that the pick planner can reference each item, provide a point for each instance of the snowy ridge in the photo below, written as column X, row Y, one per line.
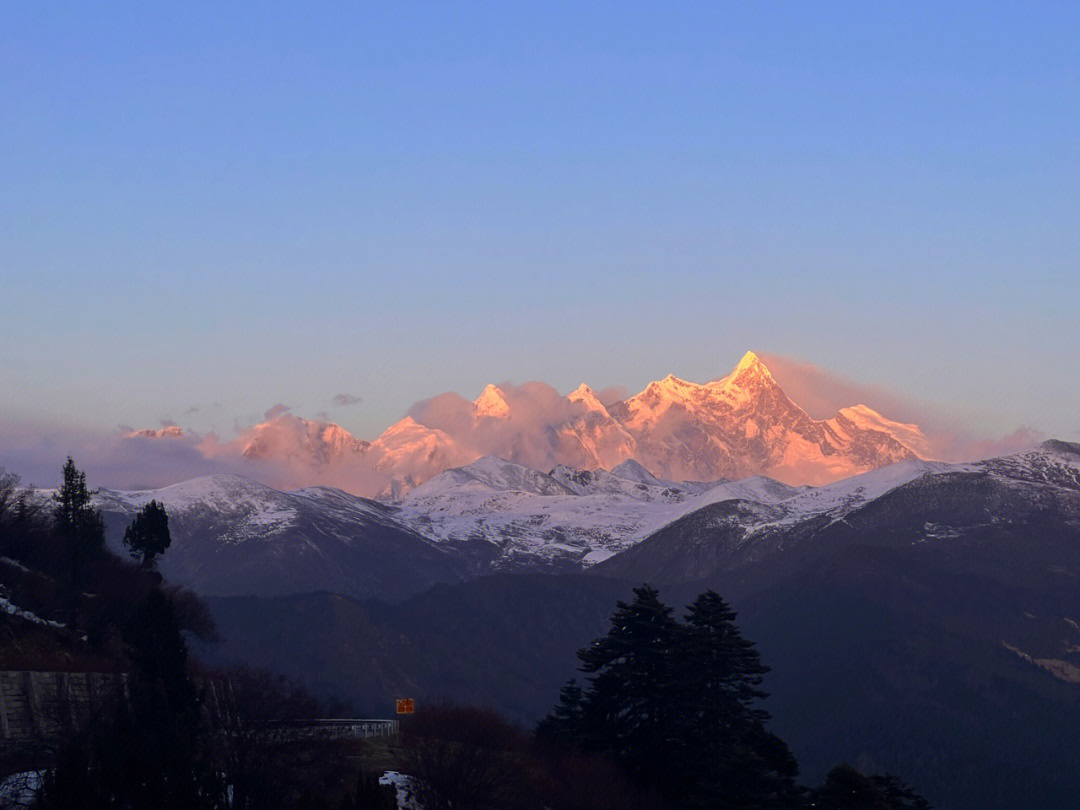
column 501, row 514
column 598, row 513
column 252, row 509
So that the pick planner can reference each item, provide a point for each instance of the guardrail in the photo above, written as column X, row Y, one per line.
column 333, row 729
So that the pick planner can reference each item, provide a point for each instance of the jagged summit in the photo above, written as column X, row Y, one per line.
column 676, row 430
column 633, row 471
column 750, row 362
column 167, row 432
column 749, row 371
column 491, row 402
column 585, row 396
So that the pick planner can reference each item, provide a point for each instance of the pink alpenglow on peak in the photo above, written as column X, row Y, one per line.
column 491, row 403
column 738, row 426
column 586, row 397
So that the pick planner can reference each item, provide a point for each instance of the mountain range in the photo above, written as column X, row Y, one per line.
column 922, row 618
column 738, row 426
column 234, row 536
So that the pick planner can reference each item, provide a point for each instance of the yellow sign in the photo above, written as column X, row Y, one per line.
column 405, row 706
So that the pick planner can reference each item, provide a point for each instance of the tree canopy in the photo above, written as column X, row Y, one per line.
column 678, row 706
column 147, row 537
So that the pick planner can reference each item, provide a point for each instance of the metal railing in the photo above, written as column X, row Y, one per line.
column 334, row 729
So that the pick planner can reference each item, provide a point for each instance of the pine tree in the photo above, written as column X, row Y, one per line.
column 629, row 704
column 899, row 794
column 731, row 759
column 155, row 752
column 148, row 535
column 847, row 789
column 565, row 720
column 81, row 527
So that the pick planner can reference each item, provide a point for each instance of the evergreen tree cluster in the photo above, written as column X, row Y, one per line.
column 678, row 706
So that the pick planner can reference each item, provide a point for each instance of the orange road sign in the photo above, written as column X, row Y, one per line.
column 405, row 706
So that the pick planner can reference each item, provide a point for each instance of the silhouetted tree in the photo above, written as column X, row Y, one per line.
column 565, row 720
column 628, row 707
column 677, row 706
column 464, row 758
column 147, row 536
column 80, row 527
column 847, row 789
column 725, row 750
column 900, row 795
column 154, row 753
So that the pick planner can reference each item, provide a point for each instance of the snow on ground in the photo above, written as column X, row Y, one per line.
column 18, row 791
column 853, row 492
column 11, row 609
column 589, row 515
column 404, row 786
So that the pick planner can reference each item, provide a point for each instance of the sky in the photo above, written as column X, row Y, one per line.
column 209, row 209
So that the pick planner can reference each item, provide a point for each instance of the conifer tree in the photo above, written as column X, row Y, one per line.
column 728, row 754
column 628, row 707
column 565, row 720
column 155, row 753
column 148, row 536
column 81, row 527
column 847, row 789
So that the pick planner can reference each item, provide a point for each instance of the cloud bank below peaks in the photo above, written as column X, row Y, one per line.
column 743, row 424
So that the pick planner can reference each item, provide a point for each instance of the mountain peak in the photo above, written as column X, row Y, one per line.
column 491, row 403
column 633, row 471
column 750, row 364
column 585, row 396
column 749, row 376
column 167, row 432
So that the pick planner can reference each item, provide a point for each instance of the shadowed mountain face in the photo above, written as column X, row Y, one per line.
column 234, row 537
column 231, row 535
column 1031, row 497
column 924, row 621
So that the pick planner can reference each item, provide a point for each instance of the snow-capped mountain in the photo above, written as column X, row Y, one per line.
column 738, row 426
column 291, row 438
column 734, row 427
column 911, row 502
column 565, row 518
column 236, row 536
column 232, row 535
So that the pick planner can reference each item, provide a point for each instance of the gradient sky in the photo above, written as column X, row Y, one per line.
column 226, row 206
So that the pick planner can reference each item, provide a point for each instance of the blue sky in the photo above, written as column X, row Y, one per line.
column 226, row 206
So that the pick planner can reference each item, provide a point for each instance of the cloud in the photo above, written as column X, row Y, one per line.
column 531, row 434
column 342, row 400
column 276, row 411
column 969, row 449
column 114, row 459
column 821, row 393
column 134, row 460
column 612, row 394
column 286, row 451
